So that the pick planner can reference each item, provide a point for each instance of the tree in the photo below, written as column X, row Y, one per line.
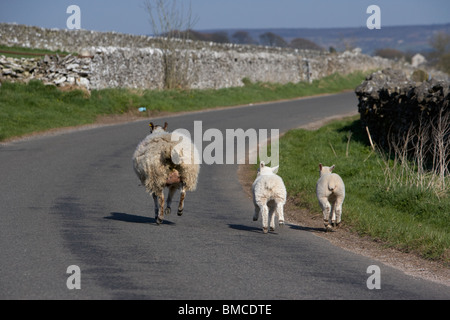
column 393, row 54
column 272, row 40
column 444, row 63
column 242, row 37
column 440, row 42
column 440, row 56
column 301, row 43
column 168, row 19
column 218, row 37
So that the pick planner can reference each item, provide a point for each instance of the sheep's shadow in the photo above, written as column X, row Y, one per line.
column 126, row 217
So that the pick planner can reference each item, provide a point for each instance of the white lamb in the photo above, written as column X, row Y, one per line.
column 165, row 159
column 330, row 191
column 269, row 196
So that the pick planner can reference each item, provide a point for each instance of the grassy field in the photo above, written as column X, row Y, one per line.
column 408, row 218
column 34, row 107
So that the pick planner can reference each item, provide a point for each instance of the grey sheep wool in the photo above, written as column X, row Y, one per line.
column 166, row 160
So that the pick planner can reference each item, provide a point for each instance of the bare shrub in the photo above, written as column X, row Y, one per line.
column 172, row 23
column 421, row 157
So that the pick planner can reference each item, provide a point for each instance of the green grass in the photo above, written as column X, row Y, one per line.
column 27, row 108
column 409, row 219
column 21, row 52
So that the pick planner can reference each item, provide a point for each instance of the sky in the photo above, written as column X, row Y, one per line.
column 130, row 16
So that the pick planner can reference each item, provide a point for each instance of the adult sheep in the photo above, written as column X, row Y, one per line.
column 166, row 160
column 330, row 191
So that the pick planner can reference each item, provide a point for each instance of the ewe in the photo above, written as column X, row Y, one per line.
column 165, row 159
column 330, row 191
column 269, row 196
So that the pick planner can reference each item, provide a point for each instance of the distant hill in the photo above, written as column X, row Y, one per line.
column 411, row 39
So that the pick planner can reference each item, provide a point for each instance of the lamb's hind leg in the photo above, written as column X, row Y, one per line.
column 256, row 214
column 280, row 212
column 326, row 210
column 272, row 212
column 338, row 206
column 265, row 216
column 333, row 215
column 276, row 208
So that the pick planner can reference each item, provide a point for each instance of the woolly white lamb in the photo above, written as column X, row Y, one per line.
column 165, row 159
column 269, row 196
column 330, row 191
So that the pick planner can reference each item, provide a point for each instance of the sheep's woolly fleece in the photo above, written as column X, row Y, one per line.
column 162, row 152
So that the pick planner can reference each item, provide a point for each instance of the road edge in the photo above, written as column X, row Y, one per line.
column 408, row 263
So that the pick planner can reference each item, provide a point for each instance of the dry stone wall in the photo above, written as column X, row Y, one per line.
column 120, row 60
column 391, row 103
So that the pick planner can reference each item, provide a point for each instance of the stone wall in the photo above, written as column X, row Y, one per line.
column 120, row 60
column 392, row 103
column 56, row 70
column 77, row 40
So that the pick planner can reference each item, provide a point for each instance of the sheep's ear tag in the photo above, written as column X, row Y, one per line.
column 151, row 125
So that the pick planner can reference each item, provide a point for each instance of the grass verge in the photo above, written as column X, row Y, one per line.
column 407, row 218
column 32, row 107
column 21, row 52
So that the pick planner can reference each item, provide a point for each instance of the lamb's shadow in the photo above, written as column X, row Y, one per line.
column 304, row 228
column 279, row 228
column 126, row 217
column 244, row 228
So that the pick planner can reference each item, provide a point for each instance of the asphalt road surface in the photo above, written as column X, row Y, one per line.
column 73, row 199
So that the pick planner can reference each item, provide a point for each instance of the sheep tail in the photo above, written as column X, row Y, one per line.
column 331, row 187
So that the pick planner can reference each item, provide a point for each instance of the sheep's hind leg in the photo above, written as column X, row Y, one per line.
column 160, row 216
column 155, row 200
column 181, row 203
column 172, row 190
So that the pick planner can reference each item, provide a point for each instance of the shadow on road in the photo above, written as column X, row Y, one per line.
column 244, row 228
column 259, row 230
column 126, row 217
column 303, row 228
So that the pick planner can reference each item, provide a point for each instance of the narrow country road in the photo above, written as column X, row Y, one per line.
column 73, row 199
